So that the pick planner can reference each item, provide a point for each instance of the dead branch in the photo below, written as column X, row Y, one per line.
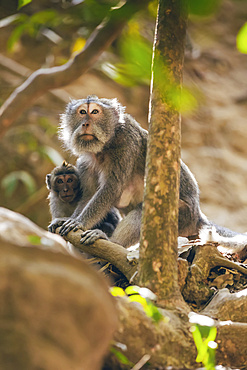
column 206, row 257
column 43, row 80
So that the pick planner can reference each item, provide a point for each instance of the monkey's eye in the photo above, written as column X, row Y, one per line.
column 95, row 111
column 70, row 180
column 59, row 181
column 82, row 111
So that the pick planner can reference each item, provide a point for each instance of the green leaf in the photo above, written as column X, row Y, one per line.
column 45, row 17
column 122, row 358
column 34, row 239
column 117, row 292
column 153, row 312
column 16, row 34
column 242, row 39
column 137, row 298
column 22, row 3
column 132, row 289
column 10, row 181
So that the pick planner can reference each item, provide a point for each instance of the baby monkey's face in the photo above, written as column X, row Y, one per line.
column 67, row 187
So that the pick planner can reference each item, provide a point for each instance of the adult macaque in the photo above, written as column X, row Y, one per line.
column 66, row 192
column 111, row 147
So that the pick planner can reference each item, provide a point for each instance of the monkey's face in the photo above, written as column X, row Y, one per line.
column 89, row 124
column 67, row 187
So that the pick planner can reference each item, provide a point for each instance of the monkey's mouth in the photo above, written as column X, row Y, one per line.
column 88, row 137
column 67, row 198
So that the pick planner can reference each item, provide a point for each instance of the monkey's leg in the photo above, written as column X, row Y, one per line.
column 127, row 232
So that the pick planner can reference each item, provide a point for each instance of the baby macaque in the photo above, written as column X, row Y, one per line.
column 66, row 191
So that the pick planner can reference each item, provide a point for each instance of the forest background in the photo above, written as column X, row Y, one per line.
column 214, row 131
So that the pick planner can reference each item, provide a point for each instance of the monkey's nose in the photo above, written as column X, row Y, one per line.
column 85, row 124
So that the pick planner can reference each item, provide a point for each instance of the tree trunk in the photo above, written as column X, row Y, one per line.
column 158, row 250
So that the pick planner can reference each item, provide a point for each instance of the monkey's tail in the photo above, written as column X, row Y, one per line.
column 228, row 240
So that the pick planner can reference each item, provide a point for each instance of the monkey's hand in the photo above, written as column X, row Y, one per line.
column 56, row 223
column 70, row 224
column 90, row 236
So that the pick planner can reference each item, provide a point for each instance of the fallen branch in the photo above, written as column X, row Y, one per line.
column 206, row 257
column 43, row 80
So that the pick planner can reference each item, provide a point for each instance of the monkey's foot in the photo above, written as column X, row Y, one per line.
column 90, row 236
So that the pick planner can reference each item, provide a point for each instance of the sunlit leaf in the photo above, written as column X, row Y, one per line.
column 10, row 181
column 132, row 289
column 136, row 57
column 242, row 39
column 117, row 292
column 138, row 299
column 204, row 333
column 22, row 3
column 78, row 45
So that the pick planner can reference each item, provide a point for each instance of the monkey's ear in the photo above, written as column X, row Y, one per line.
column 48, row 181
column 65, row 164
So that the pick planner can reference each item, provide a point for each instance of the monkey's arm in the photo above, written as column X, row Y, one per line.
column 96, row 209
column 127, row 232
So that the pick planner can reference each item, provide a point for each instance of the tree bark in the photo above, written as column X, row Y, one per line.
column 158, row 250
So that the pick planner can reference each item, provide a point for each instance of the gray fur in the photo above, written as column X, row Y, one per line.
column 112, row 166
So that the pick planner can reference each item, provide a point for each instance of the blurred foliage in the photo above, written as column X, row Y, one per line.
column 204, row 334
column 203, row 7
column 32, row 25
column 22, row 3
column 57, row 30
column 10, row 182
column 144, row 297
column 242, row 39
column 121, row 357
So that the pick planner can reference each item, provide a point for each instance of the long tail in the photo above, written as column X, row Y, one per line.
column 228, row 240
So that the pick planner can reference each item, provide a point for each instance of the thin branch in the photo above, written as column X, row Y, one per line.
column 43, row 80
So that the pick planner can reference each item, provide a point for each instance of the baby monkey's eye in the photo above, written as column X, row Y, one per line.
column 59, row 181
column 95, row 111
column 82, row 111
